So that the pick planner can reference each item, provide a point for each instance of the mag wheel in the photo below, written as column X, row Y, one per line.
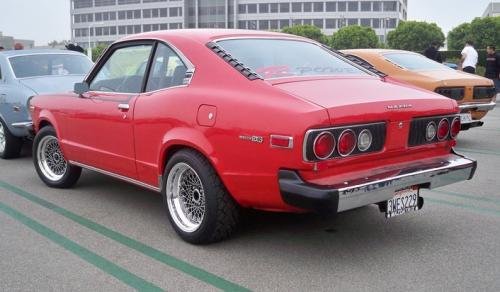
column 50, row 163
column 10, row 145
column 199, row 207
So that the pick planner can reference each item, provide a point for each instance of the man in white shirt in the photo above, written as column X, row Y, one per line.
column 469, row 58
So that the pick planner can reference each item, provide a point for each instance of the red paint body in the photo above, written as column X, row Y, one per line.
column 96, row 133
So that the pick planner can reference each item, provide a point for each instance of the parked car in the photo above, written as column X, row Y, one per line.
column 24, row 74
column 224, row 119
column 451, row 65
column 474, row 94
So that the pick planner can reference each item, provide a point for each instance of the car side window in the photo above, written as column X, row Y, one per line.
column 123, row 71
column 167, row 70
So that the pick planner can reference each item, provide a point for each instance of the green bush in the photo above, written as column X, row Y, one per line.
column 355, row 37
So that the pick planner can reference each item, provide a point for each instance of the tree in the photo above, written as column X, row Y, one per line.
column 98, row 51
column 415, row 35
column 482, row 31
column 308, row 31
column 458, row 36
column 355, row 37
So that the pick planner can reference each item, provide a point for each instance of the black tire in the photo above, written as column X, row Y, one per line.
column 71, row 173
column 222, row 213
column 13, row 144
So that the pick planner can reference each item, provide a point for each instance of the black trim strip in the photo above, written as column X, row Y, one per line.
column 245, row 71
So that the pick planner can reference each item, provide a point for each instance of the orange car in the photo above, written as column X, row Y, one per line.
column 475, row 95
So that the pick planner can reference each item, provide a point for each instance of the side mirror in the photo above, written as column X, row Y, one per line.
column 81, row 88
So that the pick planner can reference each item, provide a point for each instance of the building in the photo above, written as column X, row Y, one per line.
column 493, row 9
column 104, row 21
column 8, row 42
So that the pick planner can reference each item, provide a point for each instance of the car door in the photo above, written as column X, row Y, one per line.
column 166, row 104
column 98, row 130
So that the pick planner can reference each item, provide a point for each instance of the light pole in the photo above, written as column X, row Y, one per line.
column 386, row 21
column 89, row 48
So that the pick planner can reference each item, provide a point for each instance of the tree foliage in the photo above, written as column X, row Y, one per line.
column 308, row 31
column 415, row 35
column 482, row 31
column 355, row 37
column 98, row 51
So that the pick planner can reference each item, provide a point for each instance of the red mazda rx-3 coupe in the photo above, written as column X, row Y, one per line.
column 217, row 120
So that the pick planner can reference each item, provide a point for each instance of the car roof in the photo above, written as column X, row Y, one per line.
column 15, row 53
column 207, row 35
column 377, row 51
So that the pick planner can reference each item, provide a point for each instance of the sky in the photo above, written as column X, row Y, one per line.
column 47, row 20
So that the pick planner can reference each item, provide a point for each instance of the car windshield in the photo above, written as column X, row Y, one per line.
column 414, row 62
column 275, row 58
column 50, row 65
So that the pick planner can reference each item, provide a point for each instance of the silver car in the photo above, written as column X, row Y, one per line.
column 24, row 74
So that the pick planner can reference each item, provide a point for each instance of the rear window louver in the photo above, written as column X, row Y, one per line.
column 245, row 71
column 361, row 62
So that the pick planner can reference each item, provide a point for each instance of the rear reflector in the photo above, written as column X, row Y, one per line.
column 455, row 127
column 443, row 129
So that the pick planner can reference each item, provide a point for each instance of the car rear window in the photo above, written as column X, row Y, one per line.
column 414, row 62
column 49, row 65
column 275, row 58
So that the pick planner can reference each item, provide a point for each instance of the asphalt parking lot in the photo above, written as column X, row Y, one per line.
column 106, row 235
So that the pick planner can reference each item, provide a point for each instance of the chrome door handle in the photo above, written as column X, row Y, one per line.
column 123, row 107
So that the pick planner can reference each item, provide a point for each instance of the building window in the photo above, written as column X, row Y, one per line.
column 264, row 8
column 331, row 6
column 125, row 2
column 122, row 30
column 82, row 4
column 390, row 6
column 274, row 7
column 146, row 13
column 284, row 7
column 307, row 22
column 376, row 23
column 242, row 24
column 284, row 23
column 330, row 23
column 98, row 3
column 307, row 7
column 264, row 24
column 366, row 6
column 163, row 12
column 352, row 21
column 318, row 23
column 252, row 8
column 252, row 24
column 318, row 7
column 242, row 8
column 163, row 26
column 297, row 22
column 353, row 6
column 342, row 6
column 366, row 22
column 174, row 11
column 296, row 7
column 377, row 6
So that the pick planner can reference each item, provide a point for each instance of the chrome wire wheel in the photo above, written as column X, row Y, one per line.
column 185, row 197
column 2, row 138
column 51, row 161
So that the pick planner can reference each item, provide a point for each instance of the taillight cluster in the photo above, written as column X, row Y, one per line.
column 433, row 129
column 323, row 144
column 483, row 92
column 456, row 93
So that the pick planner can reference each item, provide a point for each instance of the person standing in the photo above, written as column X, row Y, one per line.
column 493, row 66
column 469, row 58
column 432, row 52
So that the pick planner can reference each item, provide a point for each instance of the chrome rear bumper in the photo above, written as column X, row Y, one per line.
column 430, row 174
column 480, row 107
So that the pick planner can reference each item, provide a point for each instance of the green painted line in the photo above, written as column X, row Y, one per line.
column 466, row 207
column 480, row 151
column 464, row 196
column 129, row 242
column 116, row 271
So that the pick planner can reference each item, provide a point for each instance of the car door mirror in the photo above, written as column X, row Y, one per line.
column 81, row 88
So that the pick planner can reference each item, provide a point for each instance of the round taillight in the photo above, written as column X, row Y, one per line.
column 347, row 142
column 365, row 139
column 324, row 145
column 443, row 129
column 455, row 127
column 430, row 132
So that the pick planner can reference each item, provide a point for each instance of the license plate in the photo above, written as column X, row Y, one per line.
column 465, row 118
column 404, row 201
